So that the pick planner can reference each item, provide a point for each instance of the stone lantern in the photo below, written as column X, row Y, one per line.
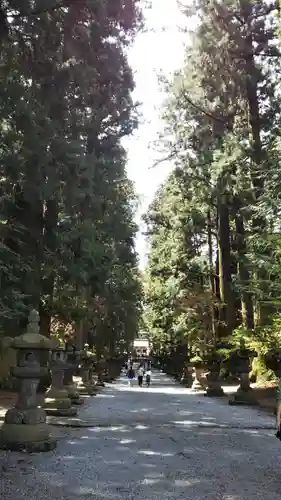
column 106, row 371
column 100, row 366
column 57, row 401
column 198, row 365
column 92, row 373
column 87, row 385
column 25, row 426
column 186, row 378
column 72, row 364
column 240, row 363
column 213, row 364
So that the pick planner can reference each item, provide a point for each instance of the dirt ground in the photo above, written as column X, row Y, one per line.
column 162, row 443
column 265, row 394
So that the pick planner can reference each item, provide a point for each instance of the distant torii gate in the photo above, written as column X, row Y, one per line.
column 141, row 347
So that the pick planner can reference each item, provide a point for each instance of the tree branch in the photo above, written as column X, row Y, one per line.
column 38, row 12
column 205, row 112
column 166, row 158
column 5, row 13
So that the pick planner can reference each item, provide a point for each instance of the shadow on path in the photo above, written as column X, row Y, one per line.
column 158, row 443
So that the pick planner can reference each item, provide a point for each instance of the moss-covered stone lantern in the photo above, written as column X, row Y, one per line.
column 25, row 426
column 57, row 401
column 199, row 366
column 186, row 377
column 240, row 362
column 72, row 365
column 213, row 365
column 87, row 385
column 92, row 373
column 100, row 367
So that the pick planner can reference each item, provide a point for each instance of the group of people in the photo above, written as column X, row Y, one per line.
column 143, row 374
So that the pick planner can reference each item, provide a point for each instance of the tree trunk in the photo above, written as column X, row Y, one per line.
column 226, row 291
column 24, row 235
column 50, row 245
column 244, row 275
column 211, row 272
column 259, row 223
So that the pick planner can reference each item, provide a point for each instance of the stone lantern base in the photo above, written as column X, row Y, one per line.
column 186, row 378
column 198, row 384
column 244, row 394
column 100, row 383
column 186, row 381
column 26, row 437
column 58, row 403
column 243, row 397
column 107, row 378
column 87, row 389
column 73, row 394
column 214, row 388
column 214, row 391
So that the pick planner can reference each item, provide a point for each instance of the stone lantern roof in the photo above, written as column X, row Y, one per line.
column 32, row 341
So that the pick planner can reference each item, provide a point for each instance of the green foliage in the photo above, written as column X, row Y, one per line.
column 263, row 339
column 260, row 370
column 213, row 228
column 196, row 361
column 67, row 207
column 177, row 294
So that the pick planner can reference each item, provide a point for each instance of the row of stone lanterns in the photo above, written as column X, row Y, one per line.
column 239, row 362
column 62, row 394
column 25, row 425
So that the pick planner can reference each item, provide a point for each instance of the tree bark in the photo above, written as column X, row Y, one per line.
column 228, row 312
column 211, row 272
column 50, row 246
column 251, row 86
column 244, row 275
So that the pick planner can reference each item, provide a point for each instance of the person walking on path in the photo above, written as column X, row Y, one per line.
column 148, row 377
column 140, row 375
column 131, row 375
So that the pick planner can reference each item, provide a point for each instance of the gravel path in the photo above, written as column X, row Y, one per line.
column 161, row 443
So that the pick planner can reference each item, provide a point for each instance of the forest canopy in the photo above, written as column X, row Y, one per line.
column 214, row 225
column 67, row 206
